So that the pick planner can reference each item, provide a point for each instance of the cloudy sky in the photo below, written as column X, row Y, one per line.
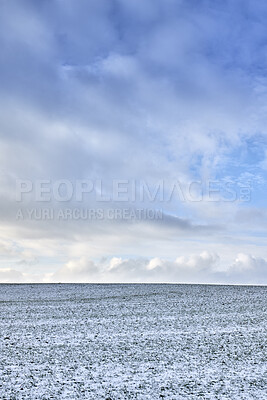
column 117, row 106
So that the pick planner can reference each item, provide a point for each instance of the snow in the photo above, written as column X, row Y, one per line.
column 84, row 341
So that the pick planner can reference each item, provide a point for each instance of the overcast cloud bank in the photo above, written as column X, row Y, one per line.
column 135, row 90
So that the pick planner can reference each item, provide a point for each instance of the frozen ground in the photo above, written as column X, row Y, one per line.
column 132, row 342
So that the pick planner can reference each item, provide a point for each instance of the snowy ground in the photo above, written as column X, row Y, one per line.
column 132, row 342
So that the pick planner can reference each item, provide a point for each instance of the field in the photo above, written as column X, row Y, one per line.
column 84, row 341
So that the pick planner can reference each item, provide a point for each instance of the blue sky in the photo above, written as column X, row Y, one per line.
column 162, row 90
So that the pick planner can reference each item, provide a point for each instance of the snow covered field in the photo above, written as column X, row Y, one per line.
column 116, row 342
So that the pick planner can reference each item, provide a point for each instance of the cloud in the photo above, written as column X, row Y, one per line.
column 10, row 275
column 172, row 90
column 205, row 260
column 75, row 271
column 248, row 268
column 11, row 252
column 205, row 267
column 197, row 268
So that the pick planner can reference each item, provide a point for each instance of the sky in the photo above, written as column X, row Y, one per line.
column 133, row 141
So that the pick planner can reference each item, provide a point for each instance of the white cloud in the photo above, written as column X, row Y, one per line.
column 135, row 90
column 244, row 262
column 8, row 275
column 154, row 263
column 198, row 268
column 205, row 260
